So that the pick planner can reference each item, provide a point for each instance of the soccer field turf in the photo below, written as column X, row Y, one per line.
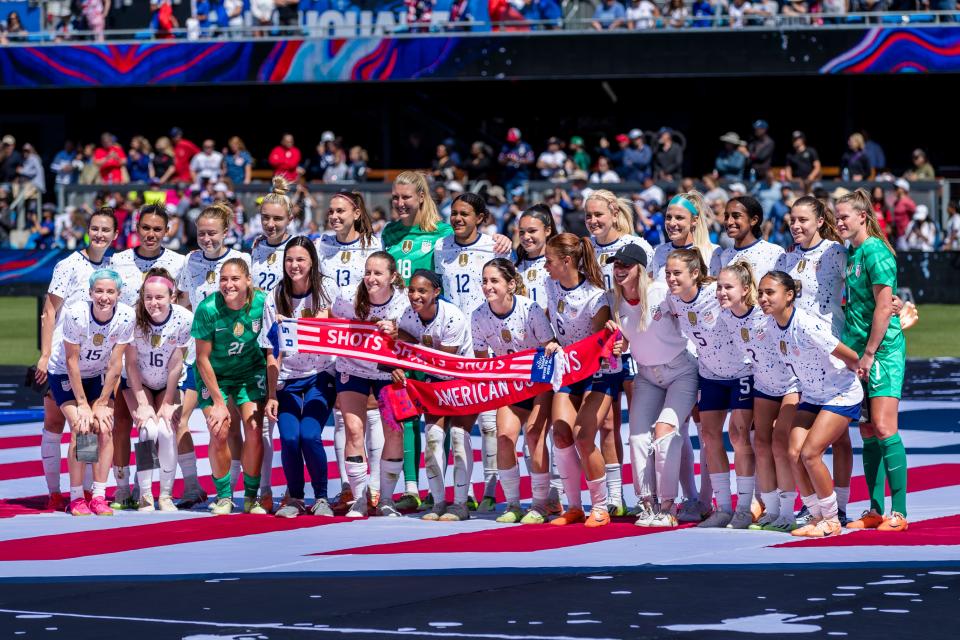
column 933, row 337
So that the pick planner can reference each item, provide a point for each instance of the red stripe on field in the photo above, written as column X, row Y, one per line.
column 62, row 546
column 934, row 532
column 505, row 540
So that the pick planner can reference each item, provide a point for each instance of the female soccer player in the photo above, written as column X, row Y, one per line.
column 665, row 388
column 411, row 238
column 301, row 388
column 132, row 265
column 725, row 384
column 199, row 279
column 743, row 216
column 379, row 298
column 577, row 307
column 775, row 394
column 154, row 363
column 535, row 227
column 69, row 285
column 610, row 223
column 86, row 363
column 875, row 334
column 440, row 325
column 459, row 260
column 830, row 392
column 231, row 366
column 343, row 255
column 506, row 323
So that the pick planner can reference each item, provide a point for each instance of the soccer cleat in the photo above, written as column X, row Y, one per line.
column 717, row 520
column 764, row 520
column 842, row 517
column 488, row 504
column 253, row 507
column 895, row 522
column 427, row 503
column 359, row 509
column 321, row 508
column 472, row 503
column 690, row 512
column 553, row 507
column 165, row 505
column 804, row 531
column 407, row 502
column 662, row 519
column 343, row 501
column 190, row 499
column 436, row 510
column 740, row 520
column 266, row 501
column 56, row 502
column 867, row 520
column 129, row 503
column 291, row 509
column 146, row 504
column 99, row 506
column 645, row 514
column 803, row 516
column 825, row 528
column 783, row 524
column 573, row 515
column 599, row 517
column 512, row 515
column 534, row 516
column 222, row 507
column 456, row 513
column 79, row 507
column 387, row 509
column 616, row 510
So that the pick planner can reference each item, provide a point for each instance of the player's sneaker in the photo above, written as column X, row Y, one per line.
column 99, row 506
column 266, row 501
column 645, row 514
column 343, row 501
column 190, row 499
column 436, row 510
column 56, row 502
column 690, row 511
column 764, row 520
column 293, row 508
column 573, row 515
column 407, row 502
column 599, row 517
column 716, row 520
column 616, row 510
column 804, row 531
column 321, row 508
column 488, row 504
column 867, row 520
column 803, row 516
column 146, row 504
column 553, row 506
column 662, row 519
column 253, row 507
column 512, row 515
column 842, row 517
column 79, row 507
column 895, row 522
column 359, row 509
column 222, row 507
column 456, row 513
column 427, row 503
column 387, row 509
column 472, row 503
column 535, row 515
column 825, row 528
column 165, row 505
column 783, row 524
column 740, row 520
column 128, row 503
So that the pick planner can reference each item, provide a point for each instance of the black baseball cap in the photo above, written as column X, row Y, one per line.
column 631, row 254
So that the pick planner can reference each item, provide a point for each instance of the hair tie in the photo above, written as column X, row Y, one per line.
column 160, row 280
column 683, row 202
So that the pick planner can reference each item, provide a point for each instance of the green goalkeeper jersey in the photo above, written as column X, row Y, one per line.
column 867, row 265
column 412, row 247
column 235, row 355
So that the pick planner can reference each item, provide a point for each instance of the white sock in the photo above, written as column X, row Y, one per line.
column 843, row 496
column 88, row 477
column 771, row 503
column 188, row 467
column 145, row 481
column 462, row 449
column 235, row 473
column 488, row 445
column 787, row 500
column 510, row 482
column 688, row 480
column 167, row 455
column 374, row 445
column 99, row 489
column 541, row 487
column 339, row 442
column 122, row 476
column 614, row 480
column 434, row 461
column 721, row 490
column 266, row 465
column 812, row 503
column 389, row 475
column 568, row 464
column 828, row 507
column 526, row 457
column 598, row 493
column 76, row 493
column 50, row 455
column 666, row 453
column 411, row 487
column 745, row 488
column 357, row 478
column 556, row 482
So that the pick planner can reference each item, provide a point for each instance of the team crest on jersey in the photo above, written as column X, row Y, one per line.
column 657, row 314
column 532, row 275
column 306, row 313
column 801, row 266
column 463, row 259
column 65, row 384
column 796, row 351
column 561, row 306
column 205, row 394
column 155, row 340
column 97, row 339
column 425, row 246
column 427, row 341
column 256, row 326
column 505, row 335
column 783, row 347
column 272, row 259
column 211, row 277
column 238, row 329
column 708, row 317
column 344, row 378
column 344, row 257
column 799, row 288
column 406, row 246
column 604, row 258
column 761, row 335
column 856, row 270
column 692, row 317
column 745, row 334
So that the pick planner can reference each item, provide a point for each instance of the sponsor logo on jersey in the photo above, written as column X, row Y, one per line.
column 272, row 258
column 692, row 317
column 426, row 246
column 406, row 246
column 155, row 340
column 97, row 339
column 745, row 334
column 532, row 275
column 211, row 277
column 344, row 257
column 505, row 335
column 463, row 259
column 238, row 329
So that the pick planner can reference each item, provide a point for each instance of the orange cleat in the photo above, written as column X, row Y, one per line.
column 598, row 517
column 896, row 522
column 825, row 529
column 867, row 520
column 573, row 515
column 805, row 530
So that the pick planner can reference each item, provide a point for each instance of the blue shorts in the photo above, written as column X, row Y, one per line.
column 190, row 382
column 124, row 386
column 346, row 382
column 629, row 367
column 725, row 395
column 852, row 412
column 763, row 396
column 62, row 393
column 610, row 384
column 526, row 405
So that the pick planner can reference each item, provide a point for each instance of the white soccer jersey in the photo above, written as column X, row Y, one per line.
column 267, row 260
column 461, row 267
column 571, row 313
column 761, row 255
column 201, row 277
column 344, row 263
column 662, row 340
column 155, row 347
column 820, row 273
column 96, row 340
column 805, row 344
column 448, row 328
column 71, row 280
column 657, row 268
column 133, row 268
column 295, row 365
column 535, row 279
column 750, row 335
column 605, row 253
column 524, row 327
column 392, row 309
column 699, row 318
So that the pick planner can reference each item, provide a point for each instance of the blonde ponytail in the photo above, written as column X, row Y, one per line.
column 861, row 202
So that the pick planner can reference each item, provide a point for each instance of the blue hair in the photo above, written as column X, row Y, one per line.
column 106, row 274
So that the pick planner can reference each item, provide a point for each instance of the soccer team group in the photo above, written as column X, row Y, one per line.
column 790, row 349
